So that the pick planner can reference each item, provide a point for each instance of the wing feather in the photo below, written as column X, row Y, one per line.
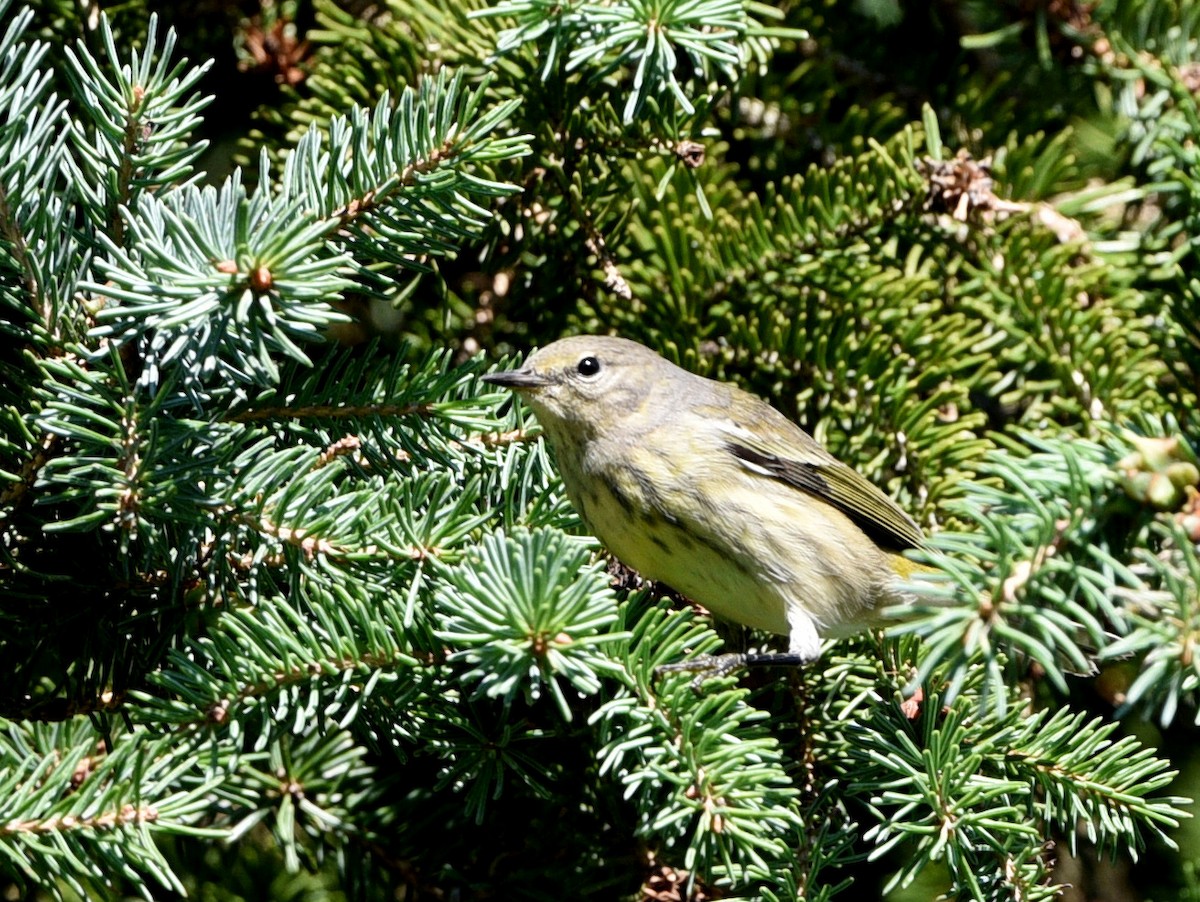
column 797, row 460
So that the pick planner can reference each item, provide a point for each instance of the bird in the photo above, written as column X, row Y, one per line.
column 702, row 486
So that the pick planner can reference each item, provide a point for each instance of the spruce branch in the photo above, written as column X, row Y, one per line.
column 707, row 776
column 1162, row 620
column 525, row 618
column 285, row 498
column 40, row 260
column 981, row 795
column 142, row 114
column 222, row 282
column 310, row 786
column 1011, row 592
column 644, row 41
column 219, row 283
column 32, row 140
column 940, row 800
column 398, row 184
column 483, row 754
column 105, row 474
column 798, row 226
column 1050, row 542
column 66, row 808
column 331, row 412
column 269, row 660
column 1086, row 778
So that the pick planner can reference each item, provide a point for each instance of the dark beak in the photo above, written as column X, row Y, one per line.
column 517, row 379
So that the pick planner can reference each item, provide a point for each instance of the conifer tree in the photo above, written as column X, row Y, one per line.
column 294, row 603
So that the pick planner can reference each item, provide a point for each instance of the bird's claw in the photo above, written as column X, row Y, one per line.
column 705, row 667
column 710, row 666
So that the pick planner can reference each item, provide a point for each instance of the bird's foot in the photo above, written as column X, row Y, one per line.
column 708, row 667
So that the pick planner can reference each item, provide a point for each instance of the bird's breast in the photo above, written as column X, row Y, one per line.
column 656, row 517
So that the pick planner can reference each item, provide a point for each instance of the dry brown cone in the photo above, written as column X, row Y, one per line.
column 1078, row 28
column 1072, row 13
column 1189, row 75
column 958, row 186
column 668, row 884
column 275, row 51
column 963, row 187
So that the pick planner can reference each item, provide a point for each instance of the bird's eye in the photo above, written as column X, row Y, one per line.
column 588, row 366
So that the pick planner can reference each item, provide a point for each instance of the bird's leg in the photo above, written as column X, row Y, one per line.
column 804, row 647
column 707, row 667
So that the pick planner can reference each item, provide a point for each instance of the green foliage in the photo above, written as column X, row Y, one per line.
column 134, row 134
column 645, row 39
column 83, row 807
column 324, row 599
column 551, row 622
column 721, row 792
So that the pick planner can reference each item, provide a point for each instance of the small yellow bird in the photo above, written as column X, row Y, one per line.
column 702, row 486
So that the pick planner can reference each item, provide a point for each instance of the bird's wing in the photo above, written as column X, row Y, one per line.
column 779, row 449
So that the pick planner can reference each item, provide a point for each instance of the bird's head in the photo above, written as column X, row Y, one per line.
column 586, row 384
